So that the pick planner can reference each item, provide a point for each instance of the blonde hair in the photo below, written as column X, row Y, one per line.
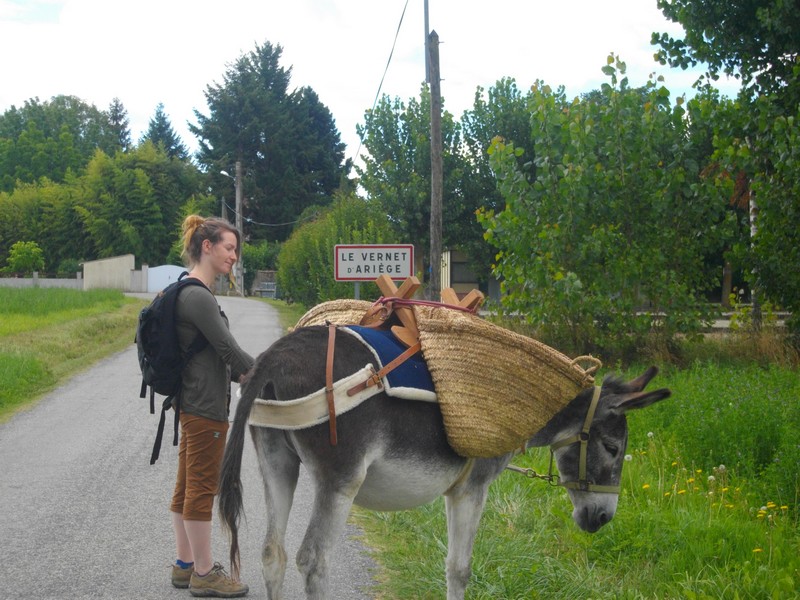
column 197, row 229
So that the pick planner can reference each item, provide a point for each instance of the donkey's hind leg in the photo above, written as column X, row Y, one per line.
column 280, row 468
column 332, row 504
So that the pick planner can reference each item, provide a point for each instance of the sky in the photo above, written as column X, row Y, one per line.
column 147, row 52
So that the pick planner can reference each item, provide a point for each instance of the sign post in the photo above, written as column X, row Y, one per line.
column 367, row 262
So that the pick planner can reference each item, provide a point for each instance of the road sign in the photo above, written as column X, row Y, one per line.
column 367, row 262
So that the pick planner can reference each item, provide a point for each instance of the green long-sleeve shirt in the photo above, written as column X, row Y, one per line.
column 205, row 389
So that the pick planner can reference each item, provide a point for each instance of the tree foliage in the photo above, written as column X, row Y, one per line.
column 160, row 133
column 397, row 172
column 757, row 41
column 287, row 141
column 119, row 124
column 755, row 135
column 607, row 242
column 50, row 139
column 129, row 203
column 25, row 258
column 306, row 260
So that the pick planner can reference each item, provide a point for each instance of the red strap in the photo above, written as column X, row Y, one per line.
column 329, row 382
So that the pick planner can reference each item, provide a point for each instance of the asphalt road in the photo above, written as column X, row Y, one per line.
column 84, row 515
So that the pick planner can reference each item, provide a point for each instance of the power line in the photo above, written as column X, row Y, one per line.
column 386, row 70
column 252, row 222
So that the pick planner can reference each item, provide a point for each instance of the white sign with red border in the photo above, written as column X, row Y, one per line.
column 367, row 262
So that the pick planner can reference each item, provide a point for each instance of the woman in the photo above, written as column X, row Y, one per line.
column 210, row 248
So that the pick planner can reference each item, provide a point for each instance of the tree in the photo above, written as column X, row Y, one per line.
column 50, row 139
column 306, row 261
column 397, row 173
column 160, row 133
column 287, row 142
column 119, row 124
column 25, row 258
column 757, row 41
column 607, row 244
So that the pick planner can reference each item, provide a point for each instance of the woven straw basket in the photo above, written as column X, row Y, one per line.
column 338, row 312
column 495, row 388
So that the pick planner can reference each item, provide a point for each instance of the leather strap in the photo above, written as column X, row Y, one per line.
column 377, row 377
column 329, row 382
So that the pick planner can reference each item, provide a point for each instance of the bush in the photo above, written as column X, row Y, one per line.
column 306, row 259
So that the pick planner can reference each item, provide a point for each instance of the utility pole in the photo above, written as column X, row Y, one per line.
column 435, row 283
column 238, row 271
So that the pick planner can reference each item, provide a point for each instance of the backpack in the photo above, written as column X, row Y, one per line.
column 160, row 356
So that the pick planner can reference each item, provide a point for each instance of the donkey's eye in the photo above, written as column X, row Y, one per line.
column 612, row 449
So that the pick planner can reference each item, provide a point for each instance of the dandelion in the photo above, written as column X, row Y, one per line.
column 650, row 435
column 711, row 479
column 690, row 480
column 784, row 507
column 721, row 469
column 757, row 550
column 667, row 494
column 628, row 458
column 699, row 471
column 674, row 463
column 646, row 486
column 680, row 492
column 729, row 506
column 771, row 505
column 725, row 489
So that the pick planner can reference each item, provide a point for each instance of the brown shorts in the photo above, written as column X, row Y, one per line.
column 199, row 459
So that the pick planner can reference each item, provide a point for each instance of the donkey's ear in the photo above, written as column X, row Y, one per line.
column 625, row 402
column 638, row 384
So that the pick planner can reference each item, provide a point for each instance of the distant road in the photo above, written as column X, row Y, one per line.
column 84, row 515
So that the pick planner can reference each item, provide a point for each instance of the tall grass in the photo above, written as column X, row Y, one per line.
column 33, row 308
column 47, row 335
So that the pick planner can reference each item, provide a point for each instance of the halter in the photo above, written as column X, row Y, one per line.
column 582, row 438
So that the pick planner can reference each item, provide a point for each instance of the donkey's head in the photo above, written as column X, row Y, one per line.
column 588, row 440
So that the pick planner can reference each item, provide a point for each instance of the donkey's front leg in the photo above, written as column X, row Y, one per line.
column 332, row 503
column 464, row 506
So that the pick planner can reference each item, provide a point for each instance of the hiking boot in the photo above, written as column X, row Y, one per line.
column 216, row 584
column 181, row 576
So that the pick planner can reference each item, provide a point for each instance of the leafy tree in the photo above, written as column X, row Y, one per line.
column 757, row 41
column 397, row 172
column 50, row 139
column 606, row 245
column 287, row 141
column 25, row 258
column 306, row 260
column 119, row 124
column 160, row 133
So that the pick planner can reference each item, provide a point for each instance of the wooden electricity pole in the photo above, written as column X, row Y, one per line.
column 434, row 289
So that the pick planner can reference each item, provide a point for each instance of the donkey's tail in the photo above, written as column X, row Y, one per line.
column 230, row 481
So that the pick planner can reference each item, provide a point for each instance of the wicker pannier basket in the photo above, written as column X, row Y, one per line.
column 495, row 388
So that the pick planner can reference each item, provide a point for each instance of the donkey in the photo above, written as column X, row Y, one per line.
column 393, row 454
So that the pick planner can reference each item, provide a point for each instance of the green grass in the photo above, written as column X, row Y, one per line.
column 705, row 511
column 288, row 314
column 48, row 335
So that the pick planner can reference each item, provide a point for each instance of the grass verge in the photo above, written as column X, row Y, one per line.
column 49, row 336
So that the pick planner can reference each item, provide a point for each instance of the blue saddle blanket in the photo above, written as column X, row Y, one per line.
column 411, row 380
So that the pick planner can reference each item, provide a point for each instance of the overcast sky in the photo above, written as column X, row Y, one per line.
column 150, row 51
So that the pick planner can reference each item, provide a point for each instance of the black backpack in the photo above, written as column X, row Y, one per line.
column 160, row 356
